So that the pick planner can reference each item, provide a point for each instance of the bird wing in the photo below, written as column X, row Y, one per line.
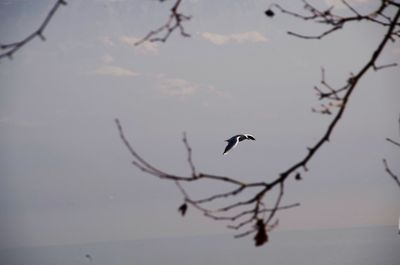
column 242, row 137
column 249, row 136
column 231, row 144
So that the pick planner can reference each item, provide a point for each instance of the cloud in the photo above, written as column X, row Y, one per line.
column 114, row 71
column 211, row 90
column 219, row 39
column 107, row 41
column 144, row 48
column 107, row 59
column 177, row 87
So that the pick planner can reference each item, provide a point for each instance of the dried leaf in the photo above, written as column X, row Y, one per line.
column 269, row 13
column 182, row 209
column 261, row 237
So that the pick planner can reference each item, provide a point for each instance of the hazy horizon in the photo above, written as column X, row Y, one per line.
column 356, row 246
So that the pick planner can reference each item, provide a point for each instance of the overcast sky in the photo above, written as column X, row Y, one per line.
column 66, row 178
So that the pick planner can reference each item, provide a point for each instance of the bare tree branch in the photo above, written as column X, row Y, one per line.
column 394, row 176
column 11, row 48
column 351, row 84
column 189, row 151
column 334, row 21
column 385, row 163
column 393, row 142
column 251, row 213
column 173, row 23
column 380, row 67
column 253, row 205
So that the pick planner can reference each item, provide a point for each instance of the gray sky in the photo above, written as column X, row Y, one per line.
column 66, row 177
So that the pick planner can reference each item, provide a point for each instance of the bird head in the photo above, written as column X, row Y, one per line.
column 251, row 137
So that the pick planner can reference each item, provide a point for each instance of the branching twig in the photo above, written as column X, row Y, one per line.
column 251, row 212
column 394, row 176
column 377, row 68
column 11, row 48
column 205, row 205
column 334, row 21
column 387, row 168
column 174, row 22
column 352, row 82
column 189, row 151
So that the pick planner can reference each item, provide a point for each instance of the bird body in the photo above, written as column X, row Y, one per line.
column 234, row 140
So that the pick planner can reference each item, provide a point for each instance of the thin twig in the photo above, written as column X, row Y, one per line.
column 189, row 151
column 393, row 142
column 252, row 210
column 173, row 23
column 11, row 48
column 394, row 176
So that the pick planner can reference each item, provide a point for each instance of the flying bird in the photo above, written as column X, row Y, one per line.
column 399, row 226
column 233, row 141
